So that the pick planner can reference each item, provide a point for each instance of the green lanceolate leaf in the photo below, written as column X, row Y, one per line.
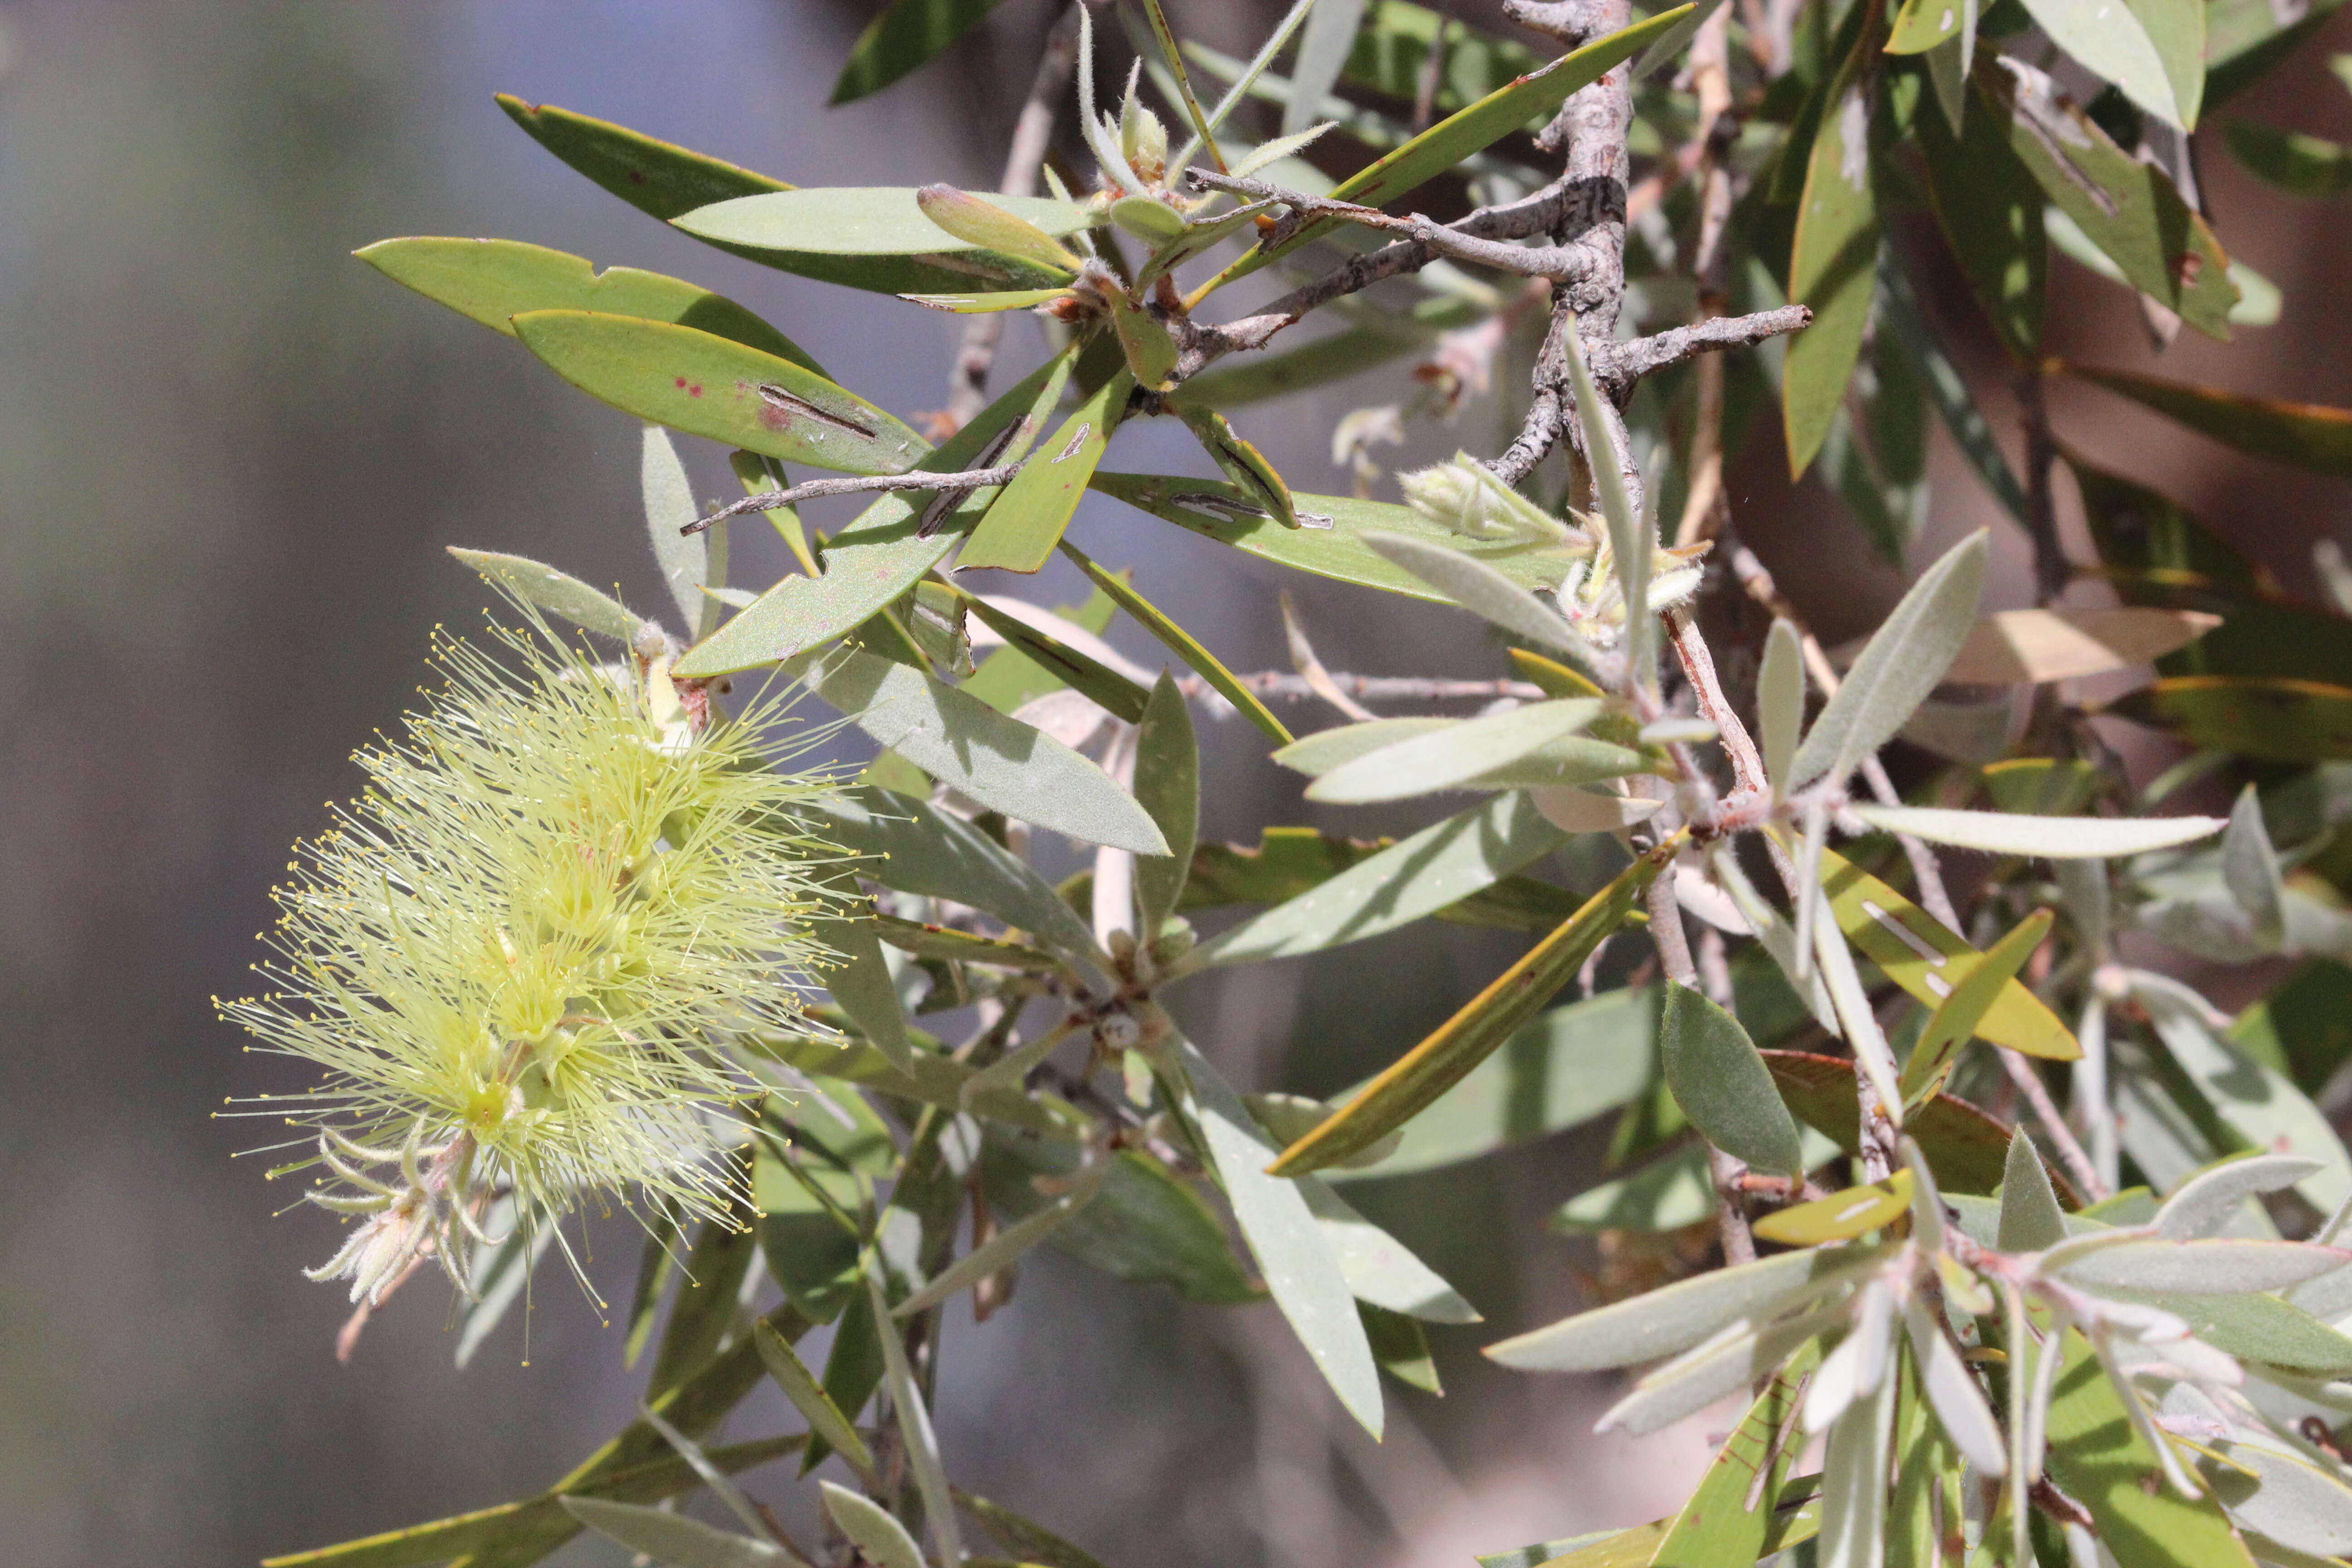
column 672, row 1539
column 1957, row 1019
column 1457, row 756
column 882, row 233
column 1841, row 1216
column 2051, row 838
column 999, row 761
column 1183, row 644
column 1168, row 784
column 1025, row 521
column 1416, row 876
column 1401, row 1347
column 714, row 386
column 1144, row 339
column 905, row 36
column 2098, row 1456
column 1446, row 143
column 1991, row 210
column 1232, row 516
column 1459, row 1045
column 808, row 1396
column 1898, row 667
column 870, row 565
column 1242, row 463
column 986, row 226
column 1730, row 1516
column 1898, row 936
column 493, row 280
column 1722, row 1084
column 554, row 592
column 651, row 175
column 1562, row 1070
column 2305, row 435
column 880, row 1538
column 2130, row 210
column 1025, row 1538
column 861, row 986
column 1674, row 1318
column 420, row 1544
column 1287, row 1242
column 1833, row 266
column 1073, row 668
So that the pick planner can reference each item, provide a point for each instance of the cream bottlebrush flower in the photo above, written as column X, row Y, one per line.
column 520, row 954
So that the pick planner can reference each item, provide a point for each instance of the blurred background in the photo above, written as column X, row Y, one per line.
column 232, row 457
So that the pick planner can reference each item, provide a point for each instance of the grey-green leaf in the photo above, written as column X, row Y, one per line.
column 554, row 592
column 1673, row 1319
column 1168, row 785
column 870, row 1527
column 2204, row 1203
column 850, row 220
column 1723, row 1085
column 2031, row 1219
column 1897, row 669
column 2052, row 837
column 1379, row 1267
column 672, row 1539
column 684, row 558
column 1453, row 757
column 1418, row 876
column 1780, row 700
column 2250, row 869
column 1287, row 1241
column 999, row 761
column 1476, row 587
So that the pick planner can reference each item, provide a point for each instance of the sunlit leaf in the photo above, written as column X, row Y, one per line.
column 1026, row 520
column 1841, row 1216
column 1833, row 265
column 555, row 591
column 1183, row 644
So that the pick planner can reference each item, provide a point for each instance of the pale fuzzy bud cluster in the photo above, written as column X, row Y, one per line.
column 521, row 954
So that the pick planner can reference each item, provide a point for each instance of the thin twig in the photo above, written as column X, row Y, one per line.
column 770, row 500
column 2046, row 1110
column 1310, row 668
column 1527, row 261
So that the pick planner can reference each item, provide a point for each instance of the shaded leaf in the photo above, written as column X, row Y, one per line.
column 1287, row 1242
column 882, row 555
column 1168, row 785
column 1401, row 1347
column 1021, row 529
column 2130, row 210
column 2305, row 435
column 1476, row 586
column 1439, row 1062
column 1183, row 644
column 2064, row 644
column 2306, row 165
column 905, row 36
column 2256, row 716
column 673, row 1539
column 1966, row 1150
column 1833, row 262
column 654, row 176
column 879, row 1537
column 1073, row 667
column 808, row 1396
column 997, row 761
column 1436, row 867
column 1146, row 1226
column 1379, row 1269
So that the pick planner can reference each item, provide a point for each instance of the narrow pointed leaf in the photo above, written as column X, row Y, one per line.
column 1006, row 1246
column 494, row 280
column 921, row 1448
column 1184, row 645
column 1898, row 667
column 1287, row 1241
column 870, row 565
column 998, row 760
column 1833, row 262
column 2205, row 1203
column 713, row 386
column 808, row 1396
column 555, row 591
column 2112, row 43
column 1454, row 756
column 2031, row 1220
column 1415, row 877
column 1026, row 520
column 651, row 175
column 1476, row 586
column 1841, row 1216
column 989, row 226
column 1958, row 1018
column 2250, row 869
column 1780, row 700
column 1442, row 1060
column 1168, row 785
column 1731, row 1514
column 672, row 1539
column 2051, row 838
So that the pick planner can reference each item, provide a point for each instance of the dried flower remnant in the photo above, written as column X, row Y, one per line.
column 520, row 953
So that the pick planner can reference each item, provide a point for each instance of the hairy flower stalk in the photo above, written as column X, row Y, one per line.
column 520, row 954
